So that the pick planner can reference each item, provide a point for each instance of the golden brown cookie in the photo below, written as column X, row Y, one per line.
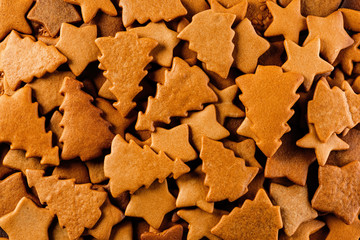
column 12, row 14
column 162, row 107
column 153, row 10
column 257, row 219
column 151, row 203
column 52, row 13
column 79, row 113
column 338, row 191
column 218, row 57
column 27, row 221
column 78, row 45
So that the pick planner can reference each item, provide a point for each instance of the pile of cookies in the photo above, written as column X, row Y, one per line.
column 180, row 119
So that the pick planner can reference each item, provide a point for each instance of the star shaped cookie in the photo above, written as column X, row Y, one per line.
column 225, row 106
column 285, row 17
column 174, row 142
column 204, row 123
column 306, row 60
column 201, row 222
column 322, row 150
column 151, row 204
column 333, row 36
column 294, row 205
column 239, row 9
column 12, row 16
column 90, row 8
column 27, row 221
column 339, row 191
column 82, row 49
column 52, row 13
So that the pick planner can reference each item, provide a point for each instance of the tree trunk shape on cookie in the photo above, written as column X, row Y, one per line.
column 268, row 96
column 85, row 133
column 124, row 58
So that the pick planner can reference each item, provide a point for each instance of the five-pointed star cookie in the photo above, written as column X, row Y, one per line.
column 239, row 9
column 290, row 161
column 294, row 206
column 225, row 106
column 82, row 49
column 192, row 191
column 349, row 55
column 90, row 8
column 304, row 231
column 257, row 219
column 174, row 142
column 151, row 203
column 306, row 60
column 249, row 46
column 12, row 16
column 332, row 34
column 201, row 222
column 341, row 230
column 52, row 13
column 166, row 38
column 285, row 17
column 12, row 189
column 204, row 123
column 27, row 221
column 322, row 150
column 339, row 191
column 110, row 216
